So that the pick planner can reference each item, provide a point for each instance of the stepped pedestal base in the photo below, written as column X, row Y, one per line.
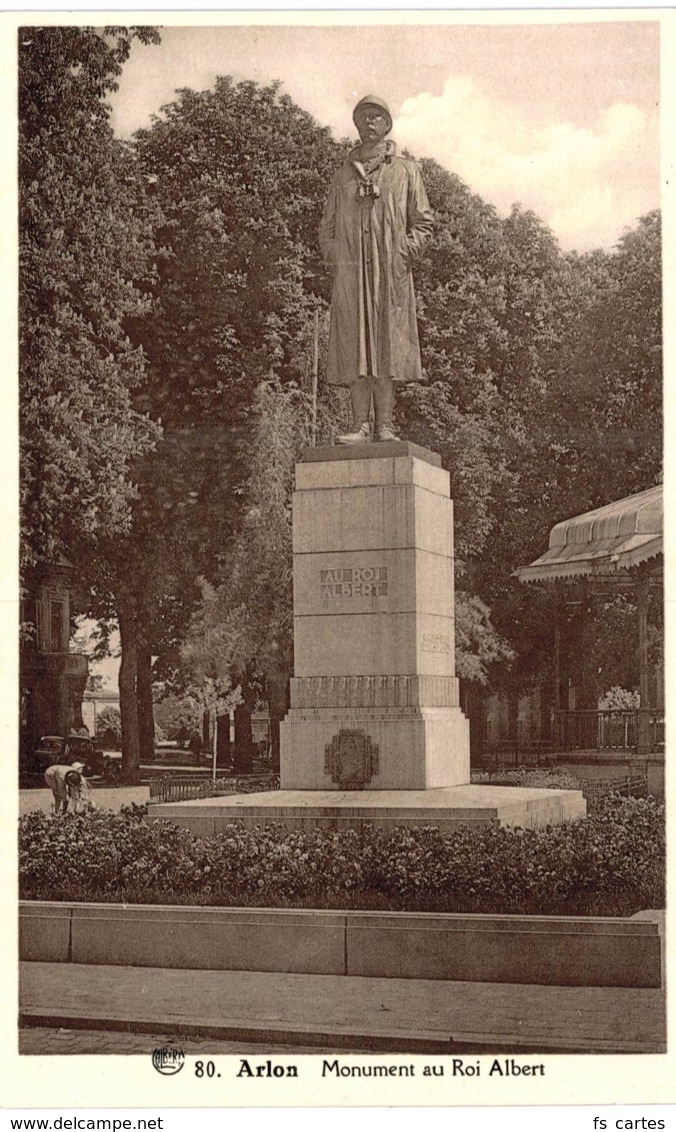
column 447, row 808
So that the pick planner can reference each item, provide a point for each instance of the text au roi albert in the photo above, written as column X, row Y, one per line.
column 454, row 1067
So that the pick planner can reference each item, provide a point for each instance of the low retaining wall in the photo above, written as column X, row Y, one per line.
column 600, row 765
column 543, row 950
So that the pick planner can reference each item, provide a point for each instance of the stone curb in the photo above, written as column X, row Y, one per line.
column 536, row 950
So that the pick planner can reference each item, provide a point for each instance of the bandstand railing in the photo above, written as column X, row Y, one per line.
column 609, row 730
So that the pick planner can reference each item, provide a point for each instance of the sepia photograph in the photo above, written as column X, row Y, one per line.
column 341, row 704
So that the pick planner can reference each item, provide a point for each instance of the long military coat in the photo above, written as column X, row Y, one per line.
column 371, row 243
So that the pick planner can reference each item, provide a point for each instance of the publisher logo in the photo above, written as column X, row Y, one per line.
column 168, row 1061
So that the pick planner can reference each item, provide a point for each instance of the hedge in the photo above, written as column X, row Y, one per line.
column 612, row 863
column 537, row 778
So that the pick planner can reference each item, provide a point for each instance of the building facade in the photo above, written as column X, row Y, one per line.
column 52, row 679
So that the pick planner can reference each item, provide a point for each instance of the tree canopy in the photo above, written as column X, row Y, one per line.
column 86, row 256
column 168, row 293
column 240, row 173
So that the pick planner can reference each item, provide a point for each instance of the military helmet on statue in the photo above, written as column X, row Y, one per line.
column 372, row 100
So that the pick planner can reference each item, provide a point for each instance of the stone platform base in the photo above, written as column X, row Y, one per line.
column 447, row 807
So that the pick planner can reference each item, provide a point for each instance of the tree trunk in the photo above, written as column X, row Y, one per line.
column 126, row 613
column 144, row 700
column 223, row 754
column 278, row 705
column 643, row 738
column 547, row 693
column 475, row 710
column 244, row 744
column 513, row 722
column 206, row 732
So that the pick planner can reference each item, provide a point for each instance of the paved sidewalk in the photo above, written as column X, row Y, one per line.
column 105, row 797
column 46, row 1041
column 343, row 1012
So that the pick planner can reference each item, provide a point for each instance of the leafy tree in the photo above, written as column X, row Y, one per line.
column 531, row 358
column 109, row 726
column 85, row 255
column 179, row 717
column 600, row 402
column 460, row 299
column 605, row 392
column 86, row 265
column 495, row 298
column 244, row 625
column 240, row 174
column 229, row 173
column 147, row 580
column 619, row 699
column 477, row 644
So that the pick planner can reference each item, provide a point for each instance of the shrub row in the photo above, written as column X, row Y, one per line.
column 539, row 778
column 612, row 863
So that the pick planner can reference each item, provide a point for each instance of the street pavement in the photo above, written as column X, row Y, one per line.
column 339, row 1011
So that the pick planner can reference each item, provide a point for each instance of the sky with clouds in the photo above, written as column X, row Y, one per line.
column 563, row 118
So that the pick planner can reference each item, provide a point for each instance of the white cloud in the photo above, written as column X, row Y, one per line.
column 585, row 183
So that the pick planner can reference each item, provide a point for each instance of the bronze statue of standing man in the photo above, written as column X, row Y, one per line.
column 376, row 222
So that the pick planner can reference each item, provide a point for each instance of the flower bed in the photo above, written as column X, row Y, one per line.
column 612, row 863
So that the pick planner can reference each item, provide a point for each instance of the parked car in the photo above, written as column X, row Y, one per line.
column 52, row 750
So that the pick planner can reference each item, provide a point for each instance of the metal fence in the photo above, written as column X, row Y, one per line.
column 183, row 788
column 615, row 729
column 634, row 784
column 516, row 753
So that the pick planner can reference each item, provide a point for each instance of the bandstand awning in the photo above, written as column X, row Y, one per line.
column 602, row 542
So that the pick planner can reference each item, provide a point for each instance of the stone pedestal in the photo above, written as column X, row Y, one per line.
column 374, row 734
column 374, row 699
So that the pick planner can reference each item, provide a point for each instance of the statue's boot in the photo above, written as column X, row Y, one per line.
column 361, row 435
column 383, row 397
column 360, row 393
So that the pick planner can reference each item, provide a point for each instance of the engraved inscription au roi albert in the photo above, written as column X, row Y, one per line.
column 354, row 581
